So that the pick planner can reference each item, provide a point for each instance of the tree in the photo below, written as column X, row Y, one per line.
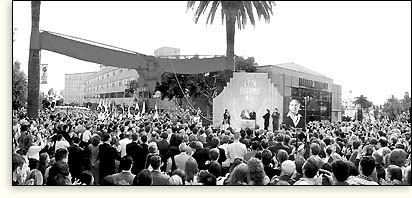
column 19, row 87
column 34, row 63
column 235, row 12
column 406, row 102
column 363, row 102
column 207, row 85
column 392, row 107
column 247, row 65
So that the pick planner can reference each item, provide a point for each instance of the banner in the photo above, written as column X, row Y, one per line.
column 43, row 74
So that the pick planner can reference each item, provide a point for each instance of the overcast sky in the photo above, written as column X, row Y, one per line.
column 363, row 46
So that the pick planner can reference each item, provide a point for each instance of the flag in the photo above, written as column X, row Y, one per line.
column 144, row 108
column 105, row 105
column 99, row 108
column 156, row 115
column 129, row 115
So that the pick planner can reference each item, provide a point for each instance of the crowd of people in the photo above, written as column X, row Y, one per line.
column 73, row 147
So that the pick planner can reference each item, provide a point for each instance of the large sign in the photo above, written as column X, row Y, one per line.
column 312, row 84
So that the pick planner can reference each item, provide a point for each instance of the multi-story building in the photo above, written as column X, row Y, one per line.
column 109, row 82
column 323, row 98
column 74, row 87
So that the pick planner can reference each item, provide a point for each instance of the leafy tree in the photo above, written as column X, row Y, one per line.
column 363, row 102
column 19, row 86
column 392, row 107
column 207, row 85
column 235, row 12
column 406, row 102
column 248, row 65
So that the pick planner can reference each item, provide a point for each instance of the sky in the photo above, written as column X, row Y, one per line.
column 363, row 46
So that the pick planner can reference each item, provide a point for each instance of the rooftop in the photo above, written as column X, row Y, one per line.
column 295, row 67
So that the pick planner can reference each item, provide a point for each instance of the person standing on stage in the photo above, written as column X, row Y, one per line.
column 226, row 119
column 293, row 119
column 266, row 118
column 275, row 121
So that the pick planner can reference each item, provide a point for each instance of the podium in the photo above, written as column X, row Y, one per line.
column 247, row 124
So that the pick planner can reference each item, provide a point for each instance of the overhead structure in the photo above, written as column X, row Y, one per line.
column 149, row 68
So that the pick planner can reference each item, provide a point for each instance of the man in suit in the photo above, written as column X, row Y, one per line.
column 163, row 146
column 275, row 120
column 158, row 178
column 266, row 119
column 293, row 119
column 133, row 150
column 107, row 156
column 126, row 174
column 75, row 161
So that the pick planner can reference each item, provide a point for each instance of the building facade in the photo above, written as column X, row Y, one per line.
column 74, row 87
column 320, row 98
column 109, row 82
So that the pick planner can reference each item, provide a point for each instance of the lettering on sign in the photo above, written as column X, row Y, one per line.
column 249, row 89
column 312, row 84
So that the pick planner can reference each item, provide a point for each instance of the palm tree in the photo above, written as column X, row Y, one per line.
column 34, row 63
column 362, row 101
column 234, row 12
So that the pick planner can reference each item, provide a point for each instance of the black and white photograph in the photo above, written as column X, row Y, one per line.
column 210, row 93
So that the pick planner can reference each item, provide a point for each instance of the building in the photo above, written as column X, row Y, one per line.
column 109, row 82
column 74, row 87
column 167, row 51
column 323, row 98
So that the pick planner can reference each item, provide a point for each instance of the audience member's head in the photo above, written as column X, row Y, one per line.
column 340, row 170
column 143, row 178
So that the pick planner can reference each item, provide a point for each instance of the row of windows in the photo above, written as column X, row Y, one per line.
column 122, row 82
column 106, row 75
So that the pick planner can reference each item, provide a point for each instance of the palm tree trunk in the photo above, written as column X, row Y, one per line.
column 230, row 43
column 34, row 63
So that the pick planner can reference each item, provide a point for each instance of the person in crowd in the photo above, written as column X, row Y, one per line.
column 288, row 168
column 191, row 170
column 257, row 172
column 200, row 154
column 143, row 178
column 125, row 168
column 93, row 154
column 61, row 142
column 122, row 144
column 59, row 175
column 107, row 156
column 163, row 146
column 85, row 179
column 236, row 149
column 75, row 159
column 86, row 136
column 240, row 175
column 17, row 169
column 366, row 169
column 60, row 157
column 158, row 178
column 341, row 172
column 180, row 160
column 134, row 150
column 310, row 170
